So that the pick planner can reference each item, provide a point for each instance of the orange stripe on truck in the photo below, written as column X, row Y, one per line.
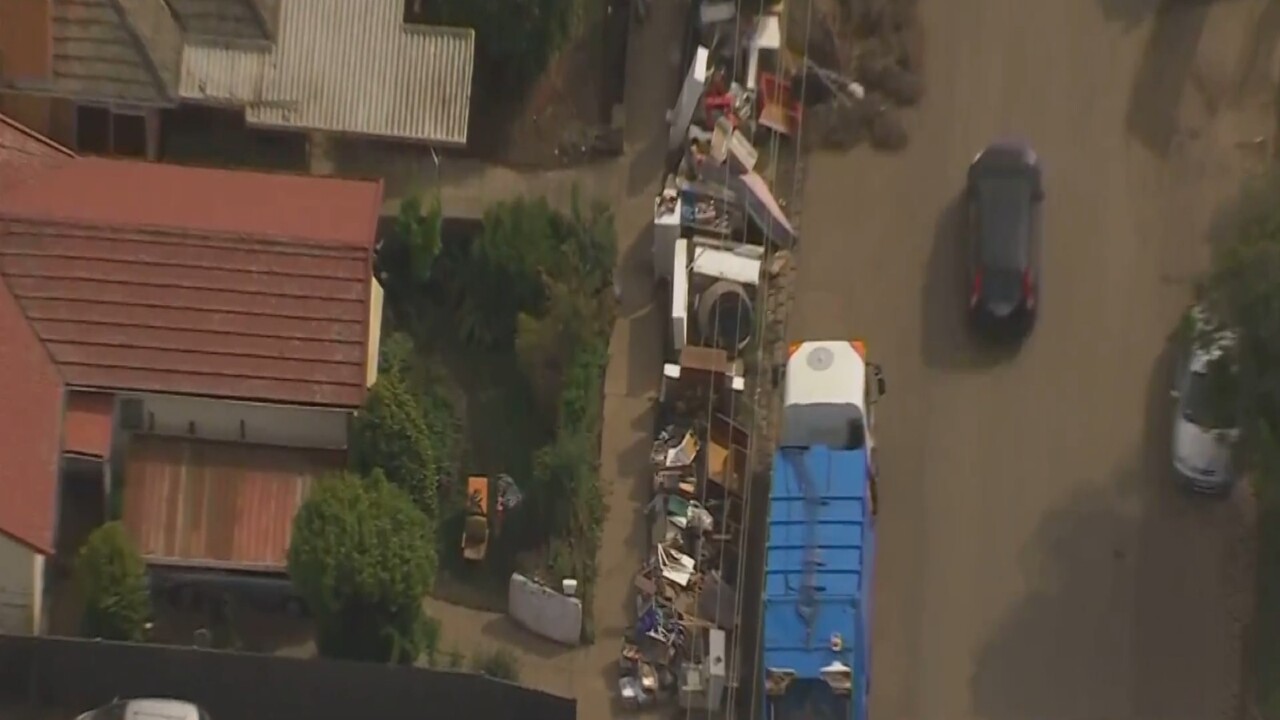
column 858, row 347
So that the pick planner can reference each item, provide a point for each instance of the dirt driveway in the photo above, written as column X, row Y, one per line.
column 1035, row 560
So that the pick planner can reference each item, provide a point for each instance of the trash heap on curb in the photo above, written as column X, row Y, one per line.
column 717, row 225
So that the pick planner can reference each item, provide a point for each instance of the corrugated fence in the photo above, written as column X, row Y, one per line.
column 75, row 675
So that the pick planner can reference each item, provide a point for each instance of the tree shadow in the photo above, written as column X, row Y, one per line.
column 1164, row 72
column 1254, row 201
column 948, row 342
column 1128, row 13
column 1131, row 607
column 649, row 162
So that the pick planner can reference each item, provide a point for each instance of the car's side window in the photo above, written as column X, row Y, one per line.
column 971, row 229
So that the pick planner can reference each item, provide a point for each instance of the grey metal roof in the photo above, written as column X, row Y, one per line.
column 116, row 50
column 226, row 19
column 344, row 67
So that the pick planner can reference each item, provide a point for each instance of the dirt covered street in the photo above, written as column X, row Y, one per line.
column 1035, row 559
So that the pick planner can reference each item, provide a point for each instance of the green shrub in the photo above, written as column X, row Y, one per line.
column 112, row 580
column 390, row 434
column 499, row 663
column 362, row 558
column 455, row 659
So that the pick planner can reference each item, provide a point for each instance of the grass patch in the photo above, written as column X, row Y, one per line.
column 499, row 663
column 495, row 431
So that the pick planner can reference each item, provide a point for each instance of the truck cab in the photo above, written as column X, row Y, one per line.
column 829, row 395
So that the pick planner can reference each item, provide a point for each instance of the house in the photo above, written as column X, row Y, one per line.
column 184, row 345
column 99, row 75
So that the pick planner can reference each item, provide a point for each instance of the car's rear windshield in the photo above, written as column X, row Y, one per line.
column 1207, row 401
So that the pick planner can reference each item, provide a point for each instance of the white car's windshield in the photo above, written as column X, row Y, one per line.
column 1205, row 401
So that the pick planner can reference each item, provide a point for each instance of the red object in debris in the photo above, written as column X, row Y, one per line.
column 719, row 103
column 779, row 110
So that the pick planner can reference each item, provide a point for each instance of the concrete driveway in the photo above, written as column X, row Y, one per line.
column 1036, row 562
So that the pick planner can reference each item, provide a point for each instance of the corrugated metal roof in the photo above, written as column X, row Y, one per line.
column 86, row 425
column 224, row 19
column 833, row 529
column 222, row 505
column 223, row 74
column 344, row 67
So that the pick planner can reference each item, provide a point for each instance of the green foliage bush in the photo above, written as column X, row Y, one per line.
column 498, row 663
column 523, row 244
column 390, row 434
column 536, row 282
column 408, row 253
column 1242, row 291
column 362, row 557
column 112, row 580
column 565, row 492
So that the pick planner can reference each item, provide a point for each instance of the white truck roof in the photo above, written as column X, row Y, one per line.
column 824, row 395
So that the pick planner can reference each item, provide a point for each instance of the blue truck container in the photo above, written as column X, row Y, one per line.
column 816, row 649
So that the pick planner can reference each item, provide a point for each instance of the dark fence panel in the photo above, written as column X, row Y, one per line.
column 80, row 674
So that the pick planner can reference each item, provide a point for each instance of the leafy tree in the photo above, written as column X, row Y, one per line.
column 524, row 243
column 112, row 579
column 362, row 557
column 421, row 232
column 502, row 275
column 391, row 435
column 1242, row 292
column 408, row 252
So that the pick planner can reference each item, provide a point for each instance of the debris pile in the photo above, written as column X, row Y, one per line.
column 717, row 224
column 684, row 594
column 864, row 62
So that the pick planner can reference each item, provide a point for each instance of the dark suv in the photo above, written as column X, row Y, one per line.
column 1003, row 198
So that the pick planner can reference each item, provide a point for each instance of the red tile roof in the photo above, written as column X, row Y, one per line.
column 138, row 194
column 118, row 275
column 86, row 426
column 194, row 313
column 223, row 505
column 23, row 153
column 30, row 421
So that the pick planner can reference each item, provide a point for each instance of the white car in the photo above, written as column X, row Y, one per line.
column 1205, row 427
column 147, row 709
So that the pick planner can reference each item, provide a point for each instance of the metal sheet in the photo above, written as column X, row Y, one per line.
column 222, row 505
column 348, row 68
